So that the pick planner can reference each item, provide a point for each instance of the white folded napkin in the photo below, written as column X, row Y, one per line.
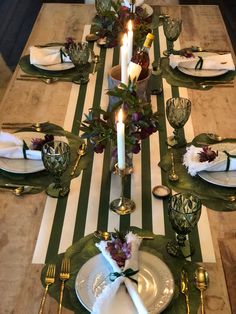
column 210, row 62
column 47, row 55
column 192, row 162
column 12, row 147
column 137, row 3
column 107, row 302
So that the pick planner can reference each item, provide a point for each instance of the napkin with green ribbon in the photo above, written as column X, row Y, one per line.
column 47, row 55
column 12, row 146
column 204, row 62
column 108, row 301
column 225, row 159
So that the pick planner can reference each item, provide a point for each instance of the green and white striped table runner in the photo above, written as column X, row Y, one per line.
column 86, row 208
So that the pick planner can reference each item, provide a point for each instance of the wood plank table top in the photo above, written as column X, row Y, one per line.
column 212, row 111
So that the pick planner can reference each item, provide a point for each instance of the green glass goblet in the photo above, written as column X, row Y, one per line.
column 184, row 212
column 56, row 157
column 178, row 110
column 172, row 29
column 79, row 54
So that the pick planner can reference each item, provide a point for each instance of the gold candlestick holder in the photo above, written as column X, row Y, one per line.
column 122, row 205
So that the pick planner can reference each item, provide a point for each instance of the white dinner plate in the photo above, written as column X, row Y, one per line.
column 56, row 67
column 202, row 73
column 222, row 178
column 155, row 284
column 24, row 166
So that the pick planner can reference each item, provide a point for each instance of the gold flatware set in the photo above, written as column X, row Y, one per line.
column 201, row 281
column 36, row 126
column 50, row 278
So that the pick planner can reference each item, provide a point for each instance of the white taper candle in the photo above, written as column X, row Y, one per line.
column 130, row 41
column 121, row 141
column 124, row 60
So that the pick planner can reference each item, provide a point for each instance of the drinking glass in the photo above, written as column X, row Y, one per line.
column 184, row 212
column 172, row 29
column 178, row 110
column 79, row 54
column 56, row 157
column 102, row 6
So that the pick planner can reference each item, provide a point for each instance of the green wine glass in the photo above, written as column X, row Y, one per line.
column 172, row 29
column 56, row 158
column 178, row 110
column 184, row 212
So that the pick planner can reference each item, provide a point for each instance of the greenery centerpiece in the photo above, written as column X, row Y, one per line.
column 140, row 121
column 110, row 24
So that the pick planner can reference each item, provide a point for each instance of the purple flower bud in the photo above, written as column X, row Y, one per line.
column 136, row 116
column 99, row 148
column 136, row 148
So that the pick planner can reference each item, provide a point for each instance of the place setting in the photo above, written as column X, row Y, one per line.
column 44, row 160
column 206, row 165
column 194, row 67
column 70, row 61
column 125, row 272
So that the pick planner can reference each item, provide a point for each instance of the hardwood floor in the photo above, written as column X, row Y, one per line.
column 17, row 18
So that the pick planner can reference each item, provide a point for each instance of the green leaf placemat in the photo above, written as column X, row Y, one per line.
column 213, row 196
column 80, row 252
column 176, row 78
column 43, row 178
column 69, row 74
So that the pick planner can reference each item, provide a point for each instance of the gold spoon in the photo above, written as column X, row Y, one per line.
column 215, row 137
column 19, row 190
column 105, row 235
column 81, row 152
column 173, row 176
column 184, row 288
column 96, row 60
column 48, row 80
column 201, row 282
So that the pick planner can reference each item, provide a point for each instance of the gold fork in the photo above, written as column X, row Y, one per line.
column 64, row 275
column 49, row 279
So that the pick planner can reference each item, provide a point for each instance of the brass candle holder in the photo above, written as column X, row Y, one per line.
column 122, row 205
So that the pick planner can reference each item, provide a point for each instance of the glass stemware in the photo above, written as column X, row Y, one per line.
column 184, row 212
column 102, row 6
column 56, row 157
column 178, row 110
column 172, row 29
column 79, row 55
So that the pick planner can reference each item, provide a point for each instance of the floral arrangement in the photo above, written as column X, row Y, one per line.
column 118, row 248
column 140, row 121
column 207, row 154
column 114, row 22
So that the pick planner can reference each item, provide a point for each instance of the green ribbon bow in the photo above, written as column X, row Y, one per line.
column 126, row 273
column 199, row 63
column 228, row 159
column 24, row 148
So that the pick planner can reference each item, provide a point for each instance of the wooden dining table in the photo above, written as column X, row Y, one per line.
column 213, row 110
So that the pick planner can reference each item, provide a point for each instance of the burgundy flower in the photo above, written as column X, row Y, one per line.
column 144, row 134
column 99, row 148
column 136, row 148
column 207, row 154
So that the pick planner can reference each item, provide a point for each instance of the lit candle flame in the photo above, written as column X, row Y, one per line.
column 120, row 116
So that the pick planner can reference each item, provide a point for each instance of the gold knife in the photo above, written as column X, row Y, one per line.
column 184, row 288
